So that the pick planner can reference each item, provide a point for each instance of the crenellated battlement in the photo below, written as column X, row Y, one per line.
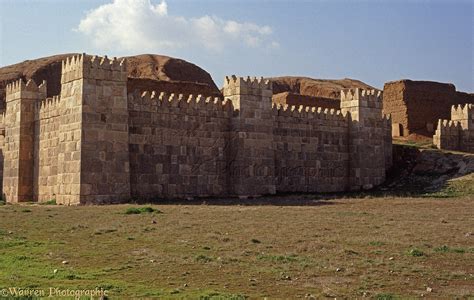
column 448, row 127
column 457, row 133
column 234, row 85
column 49, row 107
column 19, row 89
column 251, row 82
column 308, row 112
column 462, row 112
column 153, row 101
column 30, row 86
column 93, row 67
column 361, row 98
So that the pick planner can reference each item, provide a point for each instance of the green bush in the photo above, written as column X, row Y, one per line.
column 140, row 210
column 416, row 253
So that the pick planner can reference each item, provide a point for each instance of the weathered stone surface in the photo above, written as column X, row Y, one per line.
column 416, row 106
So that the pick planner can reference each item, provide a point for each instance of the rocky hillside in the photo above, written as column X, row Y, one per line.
column 312, row 92
column 146, row 72
column 424, row 171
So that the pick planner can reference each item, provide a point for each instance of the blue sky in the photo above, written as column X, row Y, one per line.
column 373, row 41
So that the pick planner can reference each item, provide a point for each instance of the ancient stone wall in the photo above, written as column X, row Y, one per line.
column 94, row 144
column 46, row 148
column 178, row 145
column 457, row 133
column 311, row 149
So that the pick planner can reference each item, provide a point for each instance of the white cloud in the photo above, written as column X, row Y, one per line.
column 139, row 26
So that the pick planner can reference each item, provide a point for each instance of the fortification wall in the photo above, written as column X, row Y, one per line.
column 95, row 144
column 48, row 114
column 178, row 145
column 457, row 133
column 311, row 149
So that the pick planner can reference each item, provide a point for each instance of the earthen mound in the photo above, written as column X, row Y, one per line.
column 312, row 92
column 146, row 72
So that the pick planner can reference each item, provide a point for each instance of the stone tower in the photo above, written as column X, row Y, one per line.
column 367, row 132
column 251, row 159
column 94, row 154
column 19, row 143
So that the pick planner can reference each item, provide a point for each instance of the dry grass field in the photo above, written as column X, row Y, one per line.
column 290, row 247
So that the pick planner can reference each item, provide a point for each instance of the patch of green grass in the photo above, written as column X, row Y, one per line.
column 416, row 144
column 458, row 187
column 105, row 230
column 2, row 202
column 203, row 258
column 446, row 249
column 385, row 296
column 49, row 202
column 376, row 243
column 416, row 252
column 219, row 296
column 140, row 210
column 279, row 258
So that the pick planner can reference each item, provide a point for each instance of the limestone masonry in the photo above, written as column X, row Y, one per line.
column 94, row 143
column 457, row 133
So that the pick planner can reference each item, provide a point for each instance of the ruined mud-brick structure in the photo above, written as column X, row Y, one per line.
column 288, row 98
column 457, row 133
column 416, row 106
column 93, row 143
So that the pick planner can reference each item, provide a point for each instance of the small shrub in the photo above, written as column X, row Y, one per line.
column 50, row 202
column 279, row 258
column 255, row 241
column 206, row 248
column 442, row 249
column 140, row 210
column 2, row 202
column 104, row 230
column 416, row 253
column 446, row 249
column 203, row 258
column 376, row 243
column 385, row 297
column 26, row 210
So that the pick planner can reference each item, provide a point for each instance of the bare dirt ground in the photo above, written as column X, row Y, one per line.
column 296, row 247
